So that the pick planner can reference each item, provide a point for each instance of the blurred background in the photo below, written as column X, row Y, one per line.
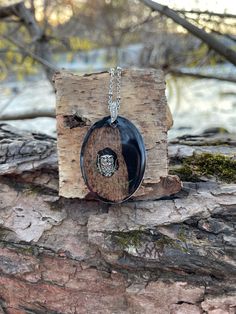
column 37, row 37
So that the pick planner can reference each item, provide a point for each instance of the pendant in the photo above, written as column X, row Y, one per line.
column 113, row 159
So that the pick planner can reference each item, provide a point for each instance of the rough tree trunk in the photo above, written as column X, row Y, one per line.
column 172, row 255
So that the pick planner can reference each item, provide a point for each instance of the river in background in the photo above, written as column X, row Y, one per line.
column 196, row 104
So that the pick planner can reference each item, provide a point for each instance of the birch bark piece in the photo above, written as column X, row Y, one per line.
column 82, row 100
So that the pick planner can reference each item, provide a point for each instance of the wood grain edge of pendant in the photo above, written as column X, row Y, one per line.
column 142, row 155
column 102, row 184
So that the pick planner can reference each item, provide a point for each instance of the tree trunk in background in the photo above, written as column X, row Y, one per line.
column 170, row 255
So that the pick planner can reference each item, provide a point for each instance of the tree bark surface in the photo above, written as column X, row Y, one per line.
column 169, row 255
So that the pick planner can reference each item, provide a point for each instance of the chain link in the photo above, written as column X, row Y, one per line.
column 114, row 105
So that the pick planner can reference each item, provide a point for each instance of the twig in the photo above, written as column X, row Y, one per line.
column 222, row 15
column 133, row 27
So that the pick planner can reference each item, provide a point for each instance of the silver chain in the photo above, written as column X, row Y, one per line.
column 114, row 105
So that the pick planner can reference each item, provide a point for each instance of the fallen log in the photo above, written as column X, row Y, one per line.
column 172, row 254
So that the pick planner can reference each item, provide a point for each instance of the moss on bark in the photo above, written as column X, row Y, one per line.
column 221, row 167
column 130, row 238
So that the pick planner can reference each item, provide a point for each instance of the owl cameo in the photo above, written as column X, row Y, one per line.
column 107, row 162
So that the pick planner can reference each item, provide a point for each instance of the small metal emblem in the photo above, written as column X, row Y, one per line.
column 107, row 162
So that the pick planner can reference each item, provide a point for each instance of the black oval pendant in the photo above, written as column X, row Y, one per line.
column 113, row 159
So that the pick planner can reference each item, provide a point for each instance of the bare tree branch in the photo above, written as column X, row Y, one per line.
column 211, row 41
column 133, row 27
column 19, row 10
column 180, row 72
column 31, row 114
column 222, row 15
column 9, row 10
column 42, row 61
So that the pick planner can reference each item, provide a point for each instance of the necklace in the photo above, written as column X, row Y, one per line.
column 113, row 155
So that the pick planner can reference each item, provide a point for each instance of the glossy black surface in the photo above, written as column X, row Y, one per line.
column 133, row 151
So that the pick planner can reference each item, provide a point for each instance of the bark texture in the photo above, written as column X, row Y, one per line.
column 170, row 255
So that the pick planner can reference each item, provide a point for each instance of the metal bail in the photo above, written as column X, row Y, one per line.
column 113, row 111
